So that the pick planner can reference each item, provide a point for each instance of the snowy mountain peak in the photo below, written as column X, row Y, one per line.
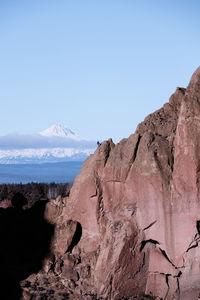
column 60, row 131
column 55, row 144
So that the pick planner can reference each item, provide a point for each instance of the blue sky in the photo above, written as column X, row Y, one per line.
column 98, row 67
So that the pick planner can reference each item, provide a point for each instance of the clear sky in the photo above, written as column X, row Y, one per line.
column 98, row 67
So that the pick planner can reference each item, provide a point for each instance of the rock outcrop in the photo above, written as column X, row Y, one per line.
column 130, row 228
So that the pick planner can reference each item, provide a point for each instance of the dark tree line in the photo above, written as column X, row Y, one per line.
column 34, row 191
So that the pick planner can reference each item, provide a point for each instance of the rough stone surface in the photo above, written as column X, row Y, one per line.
column 130, row 228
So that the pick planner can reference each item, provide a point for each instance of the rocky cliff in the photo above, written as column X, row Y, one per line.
column 130, row 228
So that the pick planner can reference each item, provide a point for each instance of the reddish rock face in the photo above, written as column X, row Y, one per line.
column 130, row 228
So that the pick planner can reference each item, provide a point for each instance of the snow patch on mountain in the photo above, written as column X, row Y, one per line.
column 61, row 131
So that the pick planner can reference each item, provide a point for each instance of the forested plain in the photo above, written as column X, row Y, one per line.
column 34, row 191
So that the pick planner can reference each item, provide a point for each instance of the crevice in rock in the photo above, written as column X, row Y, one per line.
column 150, row 225
column 143, row 261
column 150, row 297
column 134, row 156
column 172, row 159
column 94, row 195
column 195, row 242
column 198, row 226
column 168, row 287
column 136, row 148
column 108, row 149
column 179, row 274
column 100, row 204
column 113, row 181
column 192, row 246
column 168, row 274
column 110, row 287
column 178, row 285
column 143, row 243
column 76, row 238
column 166, row 256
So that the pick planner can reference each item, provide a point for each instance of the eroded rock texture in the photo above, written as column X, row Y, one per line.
column 130, row 228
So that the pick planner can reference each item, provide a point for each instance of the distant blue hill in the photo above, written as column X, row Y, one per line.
column 47, row 172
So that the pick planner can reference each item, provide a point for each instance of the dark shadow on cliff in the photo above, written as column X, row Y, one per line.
column 76, row 238
column 24, row 242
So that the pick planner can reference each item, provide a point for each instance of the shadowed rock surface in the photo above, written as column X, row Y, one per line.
column 25, row 241
column 130, row 228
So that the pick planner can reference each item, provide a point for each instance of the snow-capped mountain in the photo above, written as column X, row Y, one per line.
column 61, row 131
column 55, row 144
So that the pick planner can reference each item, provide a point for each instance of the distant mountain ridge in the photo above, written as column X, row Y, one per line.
column 55, row 144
